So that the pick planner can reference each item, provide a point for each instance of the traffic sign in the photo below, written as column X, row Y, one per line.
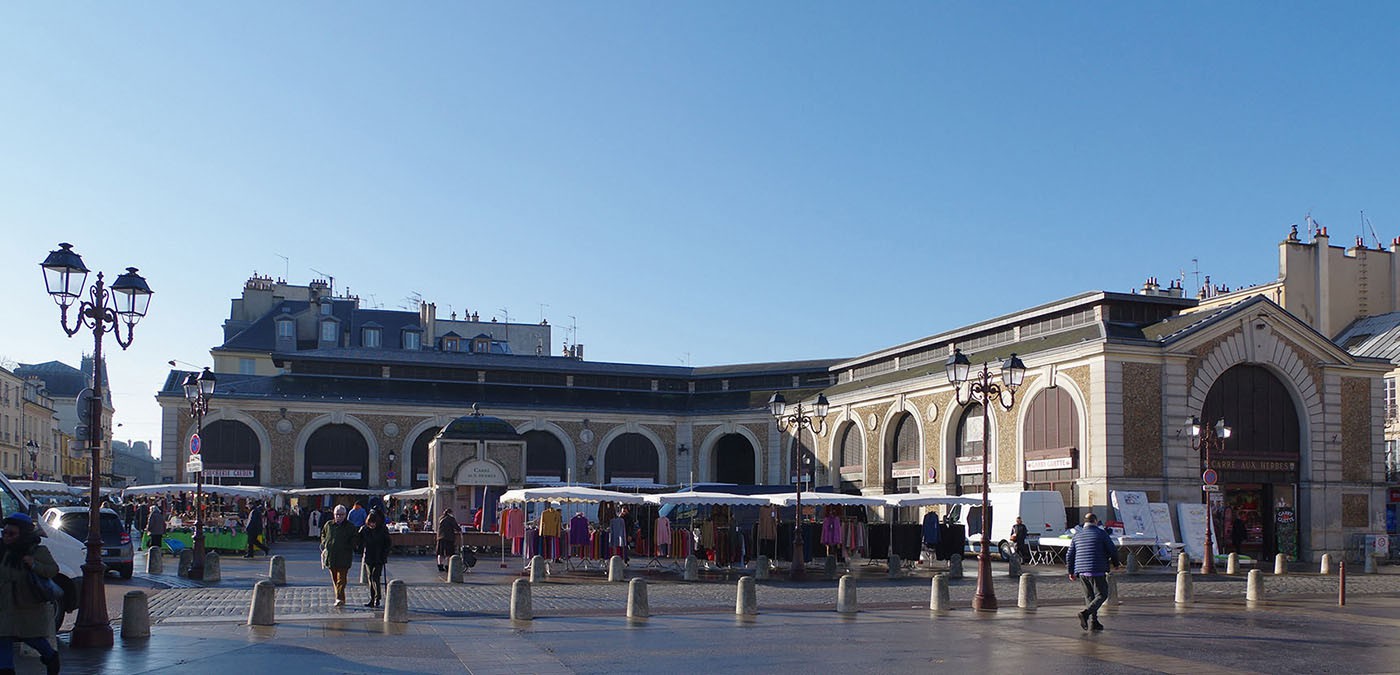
column 194, row 445
column 391, row 475
column 1209, row 477
column 1210, row 488
column 195, row 465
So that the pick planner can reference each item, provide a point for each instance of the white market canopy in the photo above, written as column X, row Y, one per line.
column 915, row 499
column 416, row 493
column 822, row 499
column 307, row 492
column 575, row 493
column 177, row 488
column 47, row 487
column 708, row 499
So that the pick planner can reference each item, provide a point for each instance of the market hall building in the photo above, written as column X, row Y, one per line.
column 315, row 391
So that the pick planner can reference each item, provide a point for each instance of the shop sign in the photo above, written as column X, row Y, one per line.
column 335, row 475
column 965, row 468
column 228, row 473
column 898, row 471
column 1050, row 464
column 422, row 477
column 480, row 472
column 630, row 480
column 853, row 472
column 1236, row 464
column 542, row 479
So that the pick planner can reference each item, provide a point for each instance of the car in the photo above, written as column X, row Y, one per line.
column 118, row 552
column 67, row 552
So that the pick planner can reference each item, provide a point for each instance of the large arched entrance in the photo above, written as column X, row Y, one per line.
column 418, row 458
column 734, row 460
column 1051, row 443
column 231, row 453
column 545, row 459
column 967, row 463
column 806, row 455
column 1258, row 465
column 850, row 457
column 631, row 459
column 902, row 467
column 337, row 455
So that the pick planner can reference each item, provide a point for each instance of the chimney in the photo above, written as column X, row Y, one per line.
column 578, row 352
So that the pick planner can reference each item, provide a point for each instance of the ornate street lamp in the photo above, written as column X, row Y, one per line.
column 983, row 388
column 1204, row 438
column 797, row 421
column 106, row 310
column 198, row 391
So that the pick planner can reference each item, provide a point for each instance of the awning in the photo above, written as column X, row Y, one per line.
column 824, row 498
column 416, row 493
column 915, row 499
column 256, row 491
column 47, row 487
column 307, row 492
column 707, row 499
column 569, row 494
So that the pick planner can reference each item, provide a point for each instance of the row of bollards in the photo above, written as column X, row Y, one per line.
column 263, row 610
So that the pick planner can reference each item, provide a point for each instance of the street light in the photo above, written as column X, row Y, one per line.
column 393, row 458
column 198, row 391
column 797, row 421
column 33, row 449
column 1205, row 437
column 105, row 310
column 683, row 454
column 983, row 388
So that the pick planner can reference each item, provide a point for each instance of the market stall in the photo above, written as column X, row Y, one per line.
column 223, row 518
column 921, row 539
column 832, row 529
column 669, row 540
column 574, row 542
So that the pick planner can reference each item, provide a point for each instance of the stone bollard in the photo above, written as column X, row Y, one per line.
column 1025, row 596
column 1183, row 562
column 762, row 569
column 637, row 605
column 277, row 570
column 263, row 612
column 1232, row 564
column 894, row 564
column 1326, row 566
column 615, row 569
column 1113, row 597
column 213, row 568
column 155, row 562
column 536, row 569
column 955, row 570
column 1280, row 565
column 186, row 562
column 939, row 599
column 829, row 567
column 1133, row 565
column 1254, row 587
column 136, row 616
column 1013, row 566
column 455, row 570
column 1183, row 587
column 746, row 597
column 396, row 605
column 846, row 595
column 1370, row 562
column 521, row 608
column 692, row 569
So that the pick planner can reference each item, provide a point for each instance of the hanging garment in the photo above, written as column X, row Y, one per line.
column 707, row 535
column 768, row 522
column 550, row 522
column 578, row 530
column 617, row 532
column 315, row 524
column 663, row 531
column 930, row 530
column 831, row 531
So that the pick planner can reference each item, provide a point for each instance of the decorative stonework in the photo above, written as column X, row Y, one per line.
column 1356, row 429
column 1079, row 375
column 391, row 430
column 1356, row 510
column 1142, row 420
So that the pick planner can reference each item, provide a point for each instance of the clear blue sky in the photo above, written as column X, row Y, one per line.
column 719, row 182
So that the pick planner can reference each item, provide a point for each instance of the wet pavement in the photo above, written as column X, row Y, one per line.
column 581, row 626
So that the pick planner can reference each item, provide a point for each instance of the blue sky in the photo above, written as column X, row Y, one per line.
column 711, row 182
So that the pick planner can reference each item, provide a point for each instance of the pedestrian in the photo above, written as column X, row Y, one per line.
column 338, row 550
column 1019, row 535
column 25, row 615
column 1238, row 532
column 1091, row 552
column 357, row 515
column 375, row 543
column 274, row 525
column 253, row 527
column 143, row 514
column 447, row 529
column 155, row 527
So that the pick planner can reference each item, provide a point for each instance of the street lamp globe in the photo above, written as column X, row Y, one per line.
column 1013, row 372
column 958, row 367
column 65, row 275
column 777, row 404
column 131, row 296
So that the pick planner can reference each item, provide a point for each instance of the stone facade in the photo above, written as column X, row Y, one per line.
column 1142, row 420
column 1357, row 456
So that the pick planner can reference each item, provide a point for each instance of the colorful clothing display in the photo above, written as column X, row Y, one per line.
column 551, row 522
column 831, row 531
column 578, row 530
column 768, row 522
column 663, row 531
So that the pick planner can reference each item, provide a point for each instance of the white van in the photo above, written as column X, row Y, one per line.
column 1042, row 511
column 69, row 553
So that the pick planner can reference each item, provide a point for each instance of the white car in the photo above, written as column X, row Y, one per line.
column 69, row 553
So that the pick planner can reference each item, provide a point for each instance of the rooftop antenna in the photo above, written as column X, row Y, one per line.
column 506, row 312
column 542, row 306
column 1367, row 222
column 685, row 358
column 1313, row 225
column 330, row 279
column 1196, row 266
column 286, row 266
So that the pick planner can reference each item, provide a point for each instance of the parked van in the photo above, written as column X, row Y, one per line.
column 1042, row 511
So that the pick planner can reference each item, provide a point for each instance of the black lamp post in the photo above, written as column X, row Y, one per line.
column 198, row 391
column 106, row 310
column 1204, row 437
column 797, row 421
column 33, row 449
column 393, row 458
column 983, row 388
column 683, row 454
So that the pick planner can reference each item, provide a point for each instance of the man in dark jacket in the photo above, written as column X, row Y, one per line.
column 373, row 540
column 253, row 528
column 1091, row 552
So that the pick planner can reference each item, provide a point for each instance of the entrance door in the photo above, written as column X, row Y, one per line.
column 1248, row 508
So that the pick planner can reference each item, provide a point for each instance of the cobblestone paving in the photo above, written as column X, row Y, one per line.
column 585, row 597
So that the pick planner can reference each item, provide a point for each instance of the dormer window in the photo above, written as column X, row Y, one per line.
column 370, row 338
column 286, row 329
column 412, row 339
column 451, row 344
column 325, row 308
column 330, row 331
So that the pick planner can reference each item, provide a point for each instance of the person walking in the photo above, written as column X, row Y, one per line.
column 1091, row 552
column 337, row 551
column 25, row 615
column 447, row 530
column 357, row 515
column 375, row 543
column 253, row 527
column 1019, row 536
column 155, row 527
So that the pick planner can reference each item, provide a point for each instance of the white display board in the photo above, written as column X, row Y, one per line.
column 1134, row 512
column 1192, row 518
column 1162, row 520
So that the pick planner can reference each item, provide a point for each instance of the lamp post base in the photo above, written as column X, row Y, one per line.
column 799, row 560
column 986, row 598
column 93, row 629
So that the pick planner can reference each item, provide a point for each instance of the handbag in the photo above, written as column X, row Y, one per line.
column 44, row 588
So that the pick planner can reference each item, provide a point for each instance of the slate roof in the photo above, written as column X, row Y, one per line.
column 1373, row 336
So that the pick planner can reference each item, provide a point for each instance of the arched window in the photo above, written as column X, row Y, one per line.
column 631, row 458
column 852, row 452
column 805, row 452
column 231, row 453
column 418, row 463
column 337, row 455
column 903, row 471
column 544, row 458
column 968, row 462
column 734, row 460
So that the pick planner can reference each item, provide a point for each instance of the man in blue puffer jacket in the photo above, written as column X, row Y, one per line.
column 1091, row 552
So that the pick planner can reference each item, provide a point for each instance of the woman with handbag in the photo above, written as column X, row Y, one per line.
column 26, row 607
column 374, row 541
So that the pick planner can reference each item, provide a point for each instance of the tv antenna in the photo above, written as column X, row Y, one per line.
column 286, row 266
column 329, row 279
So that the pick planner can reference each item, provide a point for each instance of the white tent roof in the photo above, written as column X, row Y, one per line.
column 707, row 498
column 823, row 498
column 416, row 493
column 46, row 487
column 569, row 494
column 177, row 488
column 303, row 492
column 916, row 499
